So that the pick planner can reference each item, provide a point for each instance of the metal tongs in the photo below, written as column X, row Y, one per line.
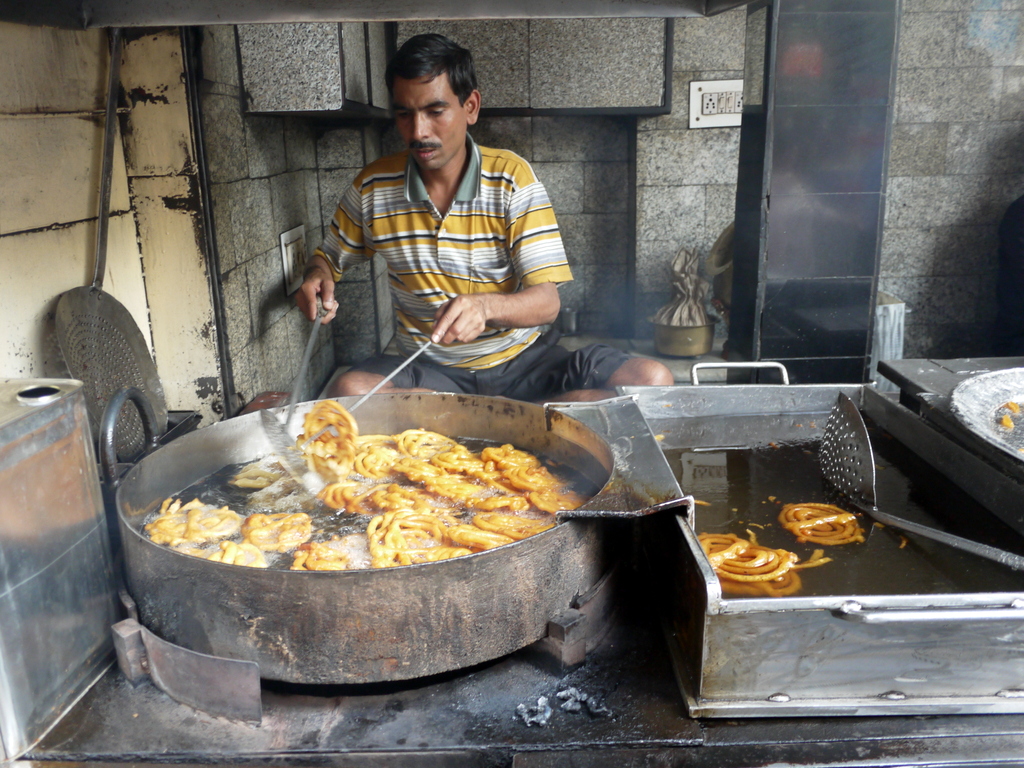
column 283, row 446
column 848, row 463
column 364, row 398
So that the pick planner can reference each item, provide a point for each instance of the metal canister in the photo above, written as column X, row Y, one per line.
column 57, row 596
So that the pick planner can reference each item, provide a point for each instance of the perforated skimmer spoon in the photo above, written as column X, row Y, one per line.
column 848, row 463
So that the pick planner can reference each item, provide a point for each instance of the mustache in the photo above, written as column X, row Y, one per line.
column 424, row 145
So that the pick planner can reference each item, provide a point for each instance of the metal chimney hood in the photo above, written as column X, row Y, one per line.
column 84, row 14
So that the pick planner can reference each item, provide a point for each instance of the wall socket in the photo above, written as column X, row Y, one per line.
column 716, row 103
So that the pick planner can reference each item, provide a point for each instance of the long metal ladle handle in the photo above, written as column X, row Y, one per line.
column 106, row 170
column 301, row 375
column 1008, row 559
column 391, row 375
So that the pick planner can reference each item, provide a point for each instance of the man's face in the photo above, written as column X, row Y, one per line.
column 431, row 120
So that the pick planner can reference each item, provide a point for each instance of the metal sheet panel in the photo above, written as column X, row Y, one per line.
column 56, row 577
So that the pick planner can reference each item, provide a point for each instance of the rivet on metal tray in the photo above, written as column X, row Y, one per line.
column 1017, row 603
column 850, row 606
column 1011, row 693
column 893, row 695
column 780, row 698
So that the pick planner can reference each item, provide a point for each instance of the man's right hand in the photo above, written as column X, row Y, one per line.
column 317, row 281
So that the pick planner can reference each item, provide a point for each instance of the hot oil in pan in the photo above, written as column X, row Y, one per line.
column 742, row 491
column 216, row 489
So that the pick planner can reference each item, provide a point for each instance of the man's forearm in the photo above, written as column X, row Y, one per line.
column 536, row 305
column 465, row 317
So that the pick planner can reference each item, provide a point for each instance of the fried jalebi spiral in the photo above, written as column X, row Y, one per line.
column 239, row 554
column 458, row 458
column 746, row 568
column 511, row 503
column 211, row 524
column 821, row 524
column 788, row 583
column 493, row 478
column 739, row 560
column 321, row 556
column 376, row 461
column 338, row 495
column 509, row 457
column 192, row 523
column 532, row 479
column 554, row 501
column 394, row 497
column 169, row 526
column 418, row 470
column 422, row 443
column 255, row 477
column 407, row 537
column 477, row 538
column 277, row 533
column 332, row 452
column 454, row 487
column 511, row 525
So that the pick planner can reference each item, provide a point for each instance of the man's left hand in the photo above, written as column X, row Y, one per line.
column 461, row 319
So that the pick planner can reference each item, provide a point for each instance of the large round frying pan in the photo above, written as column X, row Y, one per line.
column 378, row 624
column 981, row 402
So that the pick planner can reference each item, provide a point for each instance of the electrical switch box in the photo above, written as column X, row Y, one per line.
column 715, row 103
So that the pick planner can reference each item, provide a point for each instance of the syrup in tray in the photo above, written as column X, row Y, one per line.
column 742, row 490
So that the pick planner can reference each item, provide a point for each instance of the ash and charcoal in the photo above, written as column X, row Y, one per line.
column 573, row 701
column 538, row 714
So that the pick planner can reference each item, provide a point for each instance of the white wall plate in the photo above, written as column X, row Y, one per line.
column 716, row 103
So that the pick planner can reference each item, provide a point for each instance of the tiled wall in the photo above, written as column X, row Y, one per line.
column 364, row 324
column 956, row 162
column 263, row 181
column 686, row 179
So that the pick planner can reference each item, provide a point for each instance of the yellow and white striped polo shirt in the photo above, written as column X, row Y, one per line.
column 499, row 236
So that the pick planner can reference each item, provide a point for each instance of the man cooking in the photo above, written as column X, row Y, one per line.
column 473, row 251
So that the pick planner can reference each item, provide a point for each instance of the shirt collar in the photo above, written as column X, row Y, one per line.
column 469, row 187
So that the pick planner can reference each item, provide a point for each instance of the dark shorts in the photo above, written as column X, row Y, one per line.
column 541, row 371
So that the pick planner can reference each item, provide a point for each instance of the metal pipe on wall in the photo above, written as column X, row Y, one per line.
column 121, row 13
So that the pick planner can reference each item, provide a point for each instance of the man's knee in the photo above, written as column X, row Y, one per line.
column 641, row 371
column 351, row 383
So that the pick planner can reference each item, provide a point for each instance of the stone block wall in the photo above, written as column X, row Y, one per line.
column 263, row 181
column 956, row 162
column 364, row 324
column 685, row 179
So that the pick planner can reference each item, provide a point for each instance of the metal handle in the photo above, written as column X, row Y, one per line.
column 854, row 611
column 108, row 428
column 303, row 365
column 103, row 217
column 738, row 366
column 1009, row 559
column 390, row 376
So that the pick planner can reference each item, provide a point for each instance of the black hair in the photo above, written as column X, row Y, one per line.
column 430, row 55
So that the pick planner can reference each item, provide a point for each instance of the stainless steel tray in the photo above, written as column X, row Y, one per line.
column 949, row 639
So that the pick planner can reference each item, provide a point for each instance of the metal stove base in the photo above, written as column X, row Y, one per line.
column 470, row 719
